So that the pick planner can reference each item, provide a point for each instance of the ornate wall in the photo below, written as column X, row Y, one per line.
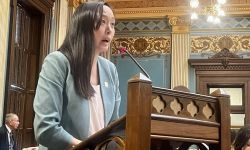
column 145, row 38
column 125, row 9
column 206, row 39
column 149, row 41
column 233, row 33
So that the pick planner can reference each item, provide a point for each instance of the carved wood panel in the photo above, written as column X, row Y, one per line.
column 185, row 106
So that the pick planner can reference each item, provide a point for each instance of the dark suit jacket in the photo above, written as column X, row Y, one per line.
column 4, row 143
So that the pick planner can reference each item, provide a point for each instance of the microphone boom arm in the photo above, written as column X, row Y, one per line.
column 138, row 64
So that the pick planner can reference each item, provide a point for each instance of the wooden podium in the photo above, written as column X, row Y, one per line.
column 167, row 119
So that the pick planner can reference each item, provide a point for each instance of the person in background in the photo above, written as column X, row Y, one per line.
column 78, row 91
column 7, row 140
column 242, row 139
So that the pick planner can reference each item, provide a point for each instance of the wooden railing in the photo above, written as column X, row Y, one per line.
column 157, row 114
column 191, row 117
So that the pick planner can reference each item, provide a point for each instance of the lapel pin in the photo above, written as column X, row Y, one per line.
column 106, row 84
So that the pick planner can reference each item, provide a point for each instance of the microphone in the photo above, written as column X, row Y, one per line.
column 123, row 50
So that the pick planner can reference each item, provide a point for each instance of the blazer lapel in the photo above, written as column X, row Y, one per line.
column 6, row 136
column 106, row 89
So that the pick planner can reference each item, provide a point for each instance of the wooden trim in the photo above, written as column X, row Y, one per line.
column 138, row 114
column 42, row 5
column 220, row 64
column 229, row 70
column 158, row 90
column 183, row 130
column 12, row 30
column 45, row 7
column 161, row 137
column 235, row 109
column 224, row 102
column 157, row 117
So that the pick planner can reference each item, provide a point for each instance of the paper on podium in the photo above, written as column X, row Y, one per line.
column 115, row 128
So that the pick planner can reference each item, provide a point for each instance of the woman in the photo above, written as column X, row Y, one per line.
column 242, row 140
column 78, row 91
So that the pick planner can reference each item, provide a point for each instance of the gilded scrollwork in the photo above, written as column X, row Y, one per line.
column 234, row 43
column 245, row 42
column 142, row 46
column 75, row 3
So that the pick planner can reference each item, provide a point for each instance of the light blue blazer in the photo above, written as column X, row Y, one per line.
column 60, row 113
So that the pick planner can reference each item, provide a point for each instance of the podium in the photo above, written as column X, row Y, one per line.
column 167, row 119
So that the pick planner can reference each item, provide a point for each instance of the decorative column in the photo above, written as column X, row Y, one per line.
column 63, row 22
column 180, row 50
column 67, row 8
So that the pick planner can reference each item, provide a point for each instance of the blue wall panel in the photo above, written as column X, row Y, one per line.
column 158, row 68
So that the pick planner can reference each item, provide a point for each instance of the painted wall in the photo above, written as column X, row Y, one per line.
column 158, row 68
column 4, row 31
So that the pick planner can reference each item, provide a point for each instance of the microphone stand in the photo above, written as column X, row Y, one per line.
column 137, row 64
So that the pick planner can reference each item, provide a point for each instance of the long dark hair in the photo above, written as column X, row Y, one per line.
column 242, row 137
column 79, row 44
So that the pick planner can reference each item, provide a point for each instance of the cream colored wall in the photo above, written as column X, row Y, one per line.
column 4, row 24
column 63, row 21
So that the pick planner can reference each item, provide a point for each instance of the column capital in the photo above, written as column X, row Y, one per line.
column 180, row 24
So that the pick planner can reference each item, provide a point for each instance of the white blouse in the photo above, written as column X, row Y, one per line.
column 96, row 111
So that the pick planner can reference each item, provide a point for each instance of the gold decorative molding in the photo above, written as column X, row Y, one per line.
column 151, row 12
column 181, row 10
column 117, row 4
column 75, row 3
column 234, row 43
column 162, row 12
column 142, row 46
column 238, row 9
column 128, row 9
column 180, row 24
